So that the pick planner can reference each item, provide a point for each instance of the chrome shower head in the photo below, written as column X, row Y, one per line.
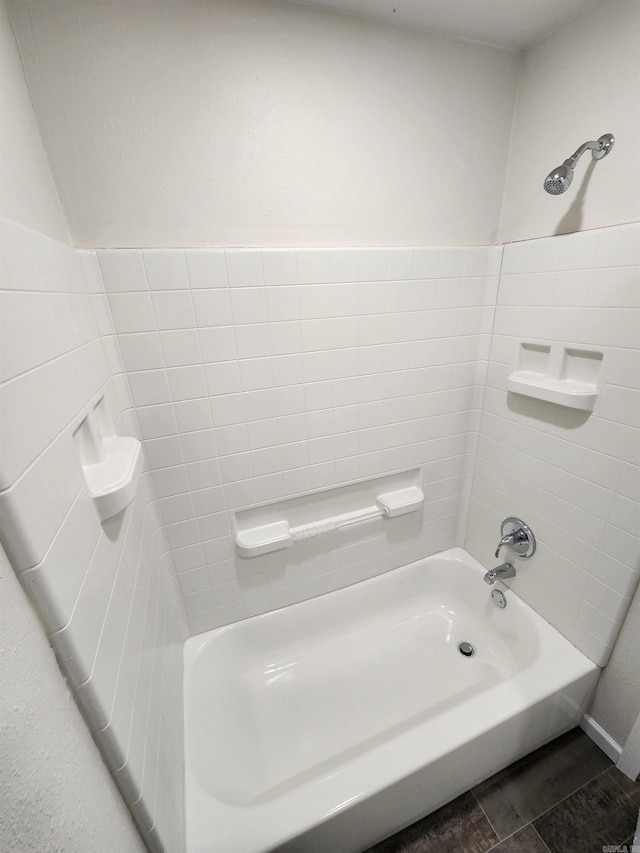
column 559, row 179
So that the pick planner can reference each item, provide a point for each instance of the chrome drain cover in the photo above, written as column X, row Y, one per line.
column 466, row 649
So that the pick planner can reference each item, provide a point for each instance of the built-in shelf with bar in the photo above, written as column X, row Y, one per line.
column 274, row 527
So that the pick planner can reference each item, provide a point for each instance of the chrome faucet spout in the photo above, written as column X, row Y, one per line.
column 500, row 573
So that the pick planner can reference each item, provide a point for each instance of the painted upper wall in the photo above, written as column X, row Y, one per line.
column 264, row 123
column 27, row 191
column 576, row 85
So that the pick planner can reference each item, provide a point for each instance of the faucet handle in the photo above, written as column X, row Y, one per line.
column 518, row 536
column 508, row 539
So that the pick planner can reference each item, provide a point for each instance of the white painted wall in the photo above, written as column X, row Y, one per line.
column 265, row 123
column 27, row 191
column 55, row 793
column 574, row 86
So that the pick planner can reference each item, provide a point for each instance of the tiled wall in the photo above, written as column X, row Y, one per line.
column 107, row 593
column 255, row 375
column 262, row 374
column 575, row 479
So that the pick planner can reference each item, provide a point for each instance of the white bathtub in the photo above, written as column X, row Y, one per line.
column 331, row 724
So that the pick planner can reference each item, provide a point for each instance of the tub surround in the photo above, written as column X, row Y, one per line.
column 259, row 375
column 253, row 375
column 106, row 593
column 574, row 476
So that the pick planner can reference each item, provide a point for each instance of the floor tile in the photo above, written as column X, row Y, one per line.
column 599, row 814
column 459, row 826
column 526, row 789
column 631, row 788
column 525, row 840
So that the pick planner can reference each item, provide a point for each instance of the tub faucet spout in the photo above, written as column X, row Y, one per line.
column 500, row 573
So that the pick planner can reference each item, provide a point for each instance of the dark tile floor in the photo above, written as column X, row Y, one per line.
column 566, row 797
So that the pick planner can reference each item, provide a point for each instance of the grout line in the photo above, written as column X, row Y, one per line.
column 618, row 785
column 511, row 835
column 579, row 788
column 495, row 831
column 597, row 775
column 544, row 843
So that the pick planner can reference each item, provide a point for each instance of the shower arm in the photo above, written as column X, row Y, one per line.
column 599, row 148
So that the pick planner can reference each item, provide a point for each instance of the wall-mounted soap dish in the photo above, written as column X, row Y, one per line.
column 557, row 374
column 111, row 463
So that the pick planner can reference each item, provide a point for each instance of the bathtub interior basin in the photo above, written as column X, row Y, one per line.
column 300, row 721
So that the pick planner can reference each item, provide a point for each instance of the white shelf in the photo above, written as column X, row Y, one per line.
column 564, row 392
column 112, row 482
column 263, row 530
column 111, row 463
column 557, row 373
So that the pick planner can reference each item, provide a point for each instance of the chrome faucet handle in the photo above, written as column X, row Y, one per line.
column 518, row 536
column 506, row 540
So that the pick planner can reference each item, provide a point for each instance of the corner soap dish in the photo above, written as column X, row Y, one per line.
column 112, row 483
column 111, row 464
column 557, row 374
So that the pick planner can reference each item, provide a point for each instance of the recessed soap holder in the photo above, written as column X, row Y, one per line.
column 557, row 373
column 111, row 463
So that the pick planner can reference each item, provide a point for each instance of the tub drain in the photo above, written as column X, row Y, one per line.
column 466, row 649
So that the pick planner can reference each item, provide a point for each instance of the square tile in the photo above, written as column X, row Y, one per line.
column 525, row 840
column 536, row 783
column 631, row 788
column 141, row 351
column 173, row 309
column 132, row 312
column 279, row 266
column 166, row 269
column 598, row 814
column 248, row 305
column 459, row 826
column 206, row 268
column 212, row 307
column 122, row 270
column 180, row 347
column 244, row 267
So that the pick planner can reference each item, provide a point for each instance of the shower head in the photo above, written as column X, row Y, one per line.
column 559, row 179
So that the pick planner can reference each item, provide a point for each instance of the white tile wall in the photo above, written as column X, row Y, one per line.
column 107, row 593
column 254, row 375
column 575, row 479
column 278, row 372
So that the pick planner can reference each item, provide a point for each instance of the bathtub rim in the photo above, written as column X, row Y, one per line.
column 558, row 666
